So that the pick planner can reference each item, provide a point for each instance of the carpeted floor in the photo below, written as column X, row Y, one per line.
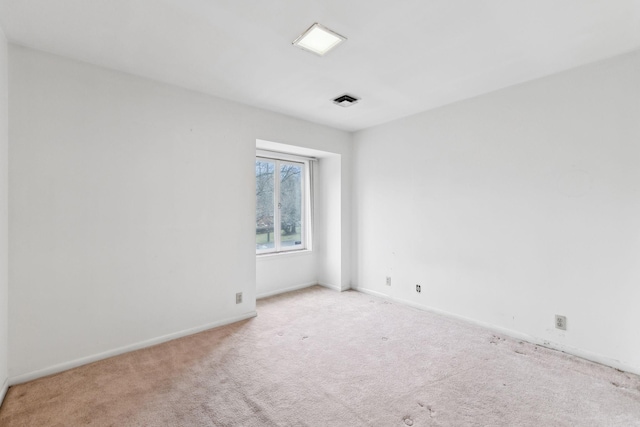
column 316, row 357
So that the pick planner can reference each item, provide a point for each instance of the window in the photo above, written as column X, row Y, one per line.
column 282, row 204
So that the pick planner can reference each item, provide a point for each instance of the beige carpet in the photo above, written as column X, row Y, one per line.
column 320, row 358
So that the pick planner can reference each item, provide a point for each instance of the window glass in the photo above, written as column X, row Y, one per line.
column 265, row 204
column 290, row 204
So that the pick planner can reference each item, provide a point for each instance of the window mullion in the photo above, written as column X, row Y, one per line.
column 277, row 234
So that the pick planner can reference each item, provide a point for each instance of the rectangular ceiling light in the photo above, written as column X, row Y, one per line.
column 319, row 39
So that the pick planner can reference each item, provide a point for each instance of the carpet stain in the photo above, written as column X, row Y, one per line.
column 385, row 339
column 407, row 420
column 520, row 352
column 495, row 339
column 305, row 337
column 432, row 413
column 280, row 334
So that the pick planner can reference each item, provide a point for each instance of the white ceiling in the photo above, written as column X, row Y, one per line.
column 401, row 57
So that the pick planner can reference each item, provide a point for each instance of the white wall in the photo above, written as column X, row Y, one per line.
column 512, row 207
column 4, row 214
column 330, row 208
column 280, row 273
column 131, row 207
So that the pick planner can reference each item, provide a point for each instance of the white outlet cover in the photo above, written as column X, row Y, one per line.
column 561, row 322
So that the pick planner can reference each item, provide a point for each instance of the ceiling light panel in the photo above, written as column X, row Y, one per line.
column 319, row 39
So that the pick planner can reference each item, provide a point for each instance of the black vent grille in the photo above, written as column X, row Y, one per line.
column 346, row 100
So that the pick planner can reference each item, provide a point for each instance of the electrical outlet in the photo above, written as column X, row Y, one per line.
column 561, row 322
column 239, row 298
column 418, row 288
column 388, row 280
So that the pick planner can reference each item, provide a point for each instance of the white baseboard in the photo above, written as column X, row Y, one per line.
column 584, row 354
column 335, row 287
column 18, row 379
column 3, row 390
column 374, row 293
column 285, row 290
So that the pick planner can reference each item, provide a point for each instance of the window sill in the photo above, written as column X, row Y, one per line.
column 301, row 252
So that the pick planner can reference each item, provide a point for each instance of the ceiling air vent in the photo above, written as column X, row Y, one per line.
column 346, row 100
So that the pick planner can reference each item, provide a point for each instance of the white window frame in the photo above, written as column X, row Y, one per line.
column 306, row 195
